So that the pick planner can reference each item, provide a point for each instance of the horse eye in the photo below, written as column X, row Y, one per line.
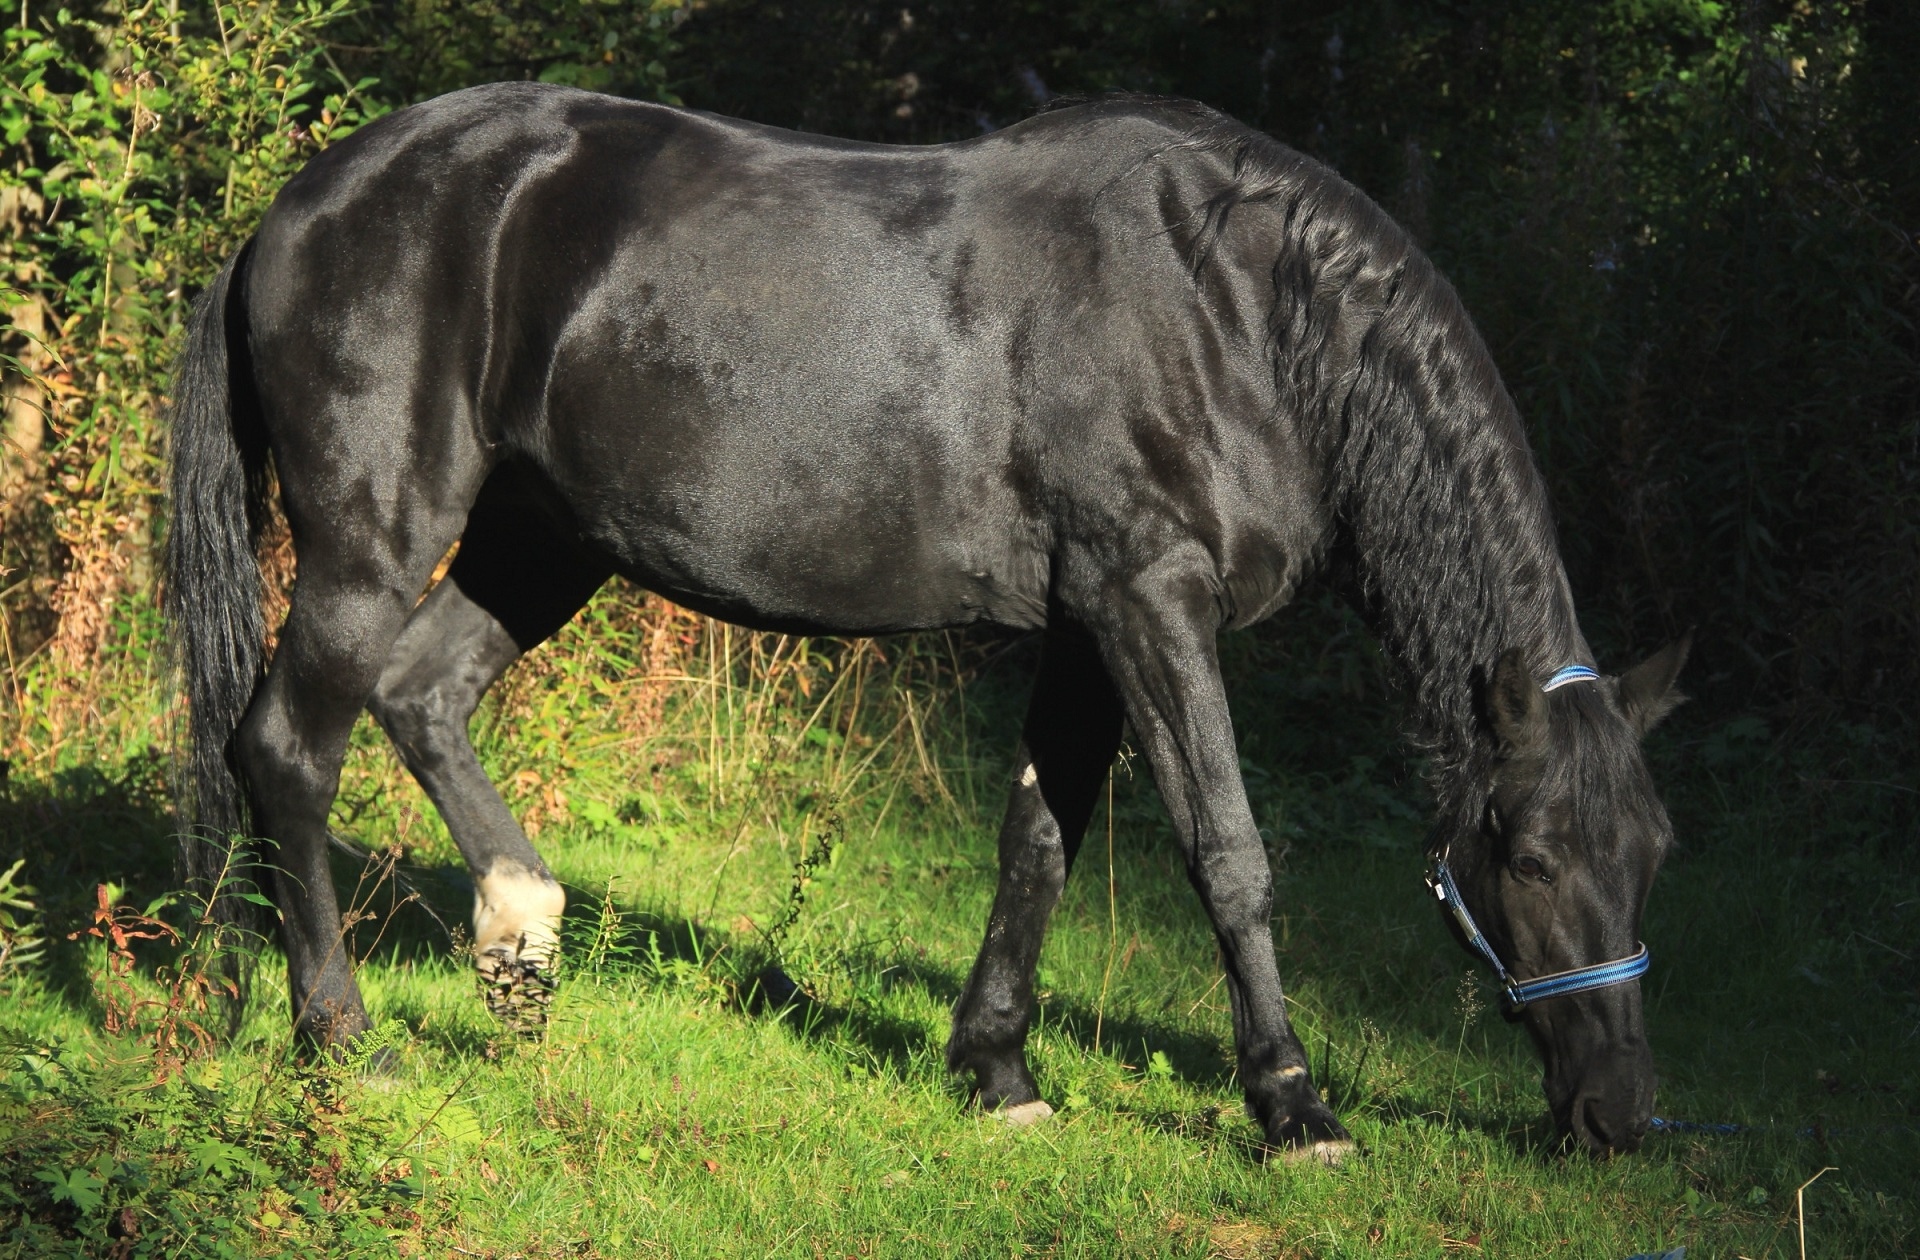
column 1528, row 866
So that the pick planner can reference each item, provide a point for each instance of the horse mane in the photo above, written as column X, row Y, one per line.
column 1442, row 521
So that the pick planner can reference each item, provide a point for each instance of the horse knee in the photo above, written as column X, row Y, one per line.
column 1237, row 885
column 1035, row 868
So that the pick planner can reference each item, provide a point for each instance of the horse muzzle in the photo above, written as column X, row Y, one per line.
column 1609, row 1106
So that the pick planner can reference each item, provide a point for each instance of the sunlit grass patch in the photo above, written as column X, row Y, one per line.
column 670, row 1110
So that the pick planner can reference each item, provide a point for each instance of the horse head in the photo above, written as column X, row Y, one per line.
column 1550, row 856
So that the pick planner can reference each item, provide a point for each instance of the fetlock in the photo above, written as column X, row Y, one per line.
column 1297, row 1122
column 516, row 949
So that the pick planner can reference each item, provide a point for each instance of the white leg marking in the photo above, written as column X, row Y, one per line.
column 516, row 916
column 1332, row 1154
column 1020, row 1115
column 516, row 943
column 1029, row 776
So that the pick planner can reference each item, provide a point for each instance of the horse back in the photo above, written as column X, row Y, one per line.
column 793, row 381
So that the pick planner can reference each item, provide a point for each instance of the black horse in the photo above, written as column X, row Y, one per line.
column 1127, row 373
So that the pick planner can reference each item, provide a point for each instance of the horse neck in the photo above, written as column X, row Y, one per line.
column 1451, row 538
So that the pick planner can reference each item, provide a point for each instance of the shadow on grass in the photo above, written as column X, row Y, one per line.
column 671, row 950
column 113, row 824
column 82, row 827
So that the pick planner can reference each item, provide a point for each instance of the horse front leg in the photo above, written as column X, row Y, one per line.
column 1159, row 642
column 1071, row 734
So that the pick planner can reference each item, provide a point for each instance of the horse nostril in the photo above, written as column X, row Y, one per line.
column 1591, row 1127
column 1620, row 1136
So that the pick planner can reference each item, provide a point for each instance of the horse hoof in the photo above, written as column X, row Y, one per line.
column 517, row 990
column 1022, row 1115
column 1332, row 1152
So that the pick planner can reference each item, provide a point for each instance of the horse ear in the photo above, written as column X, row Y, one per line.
column 1517, row 705
column 1647, row 693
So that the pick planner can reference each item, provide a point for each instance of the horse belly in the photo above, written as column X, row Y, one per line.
column 827, row 513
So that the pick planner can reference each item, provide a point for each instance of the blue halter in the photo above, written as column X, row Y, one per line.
column 1570, row 674
column 1557, row 984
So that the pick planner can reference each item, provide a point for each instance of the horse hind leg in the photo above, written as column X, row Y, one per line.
column 1071, row 734
column 513, row 584
column 358, row 581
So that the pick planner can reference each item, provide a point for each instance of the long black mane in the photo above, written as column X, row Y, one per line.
column 1442, row 521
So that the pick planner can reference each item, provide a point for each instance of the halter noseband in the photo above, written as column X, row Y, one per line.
column 1557, row 984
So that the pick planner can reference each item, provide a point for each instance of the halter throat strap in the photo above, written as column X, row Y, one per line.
column 1556, row 984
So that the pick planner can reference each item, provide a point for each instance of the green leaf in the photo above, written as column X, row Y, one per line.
column 77, row 1186
column 457, row 1123
column 223, row 1159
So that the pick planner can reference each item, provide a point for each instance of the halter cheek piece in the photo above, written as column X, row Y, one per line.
column 1521, row 992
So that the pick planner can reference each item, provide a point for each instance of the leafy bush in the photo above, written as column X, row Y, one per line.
column 21, row 941
column 103, row 1158
column 141, row 147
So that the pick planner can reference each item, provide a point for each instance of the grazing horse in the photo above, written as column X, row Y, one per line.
column 1126, row 373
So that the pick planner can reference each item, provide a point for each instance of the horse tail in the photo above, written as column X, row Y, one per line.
column 213, row 590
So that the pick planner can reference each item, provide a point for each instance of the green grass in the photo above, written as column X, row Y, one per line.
column 660, row 1117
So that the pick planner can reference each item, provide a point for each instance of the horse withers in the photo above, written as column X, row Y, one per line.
column 1125, row 374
